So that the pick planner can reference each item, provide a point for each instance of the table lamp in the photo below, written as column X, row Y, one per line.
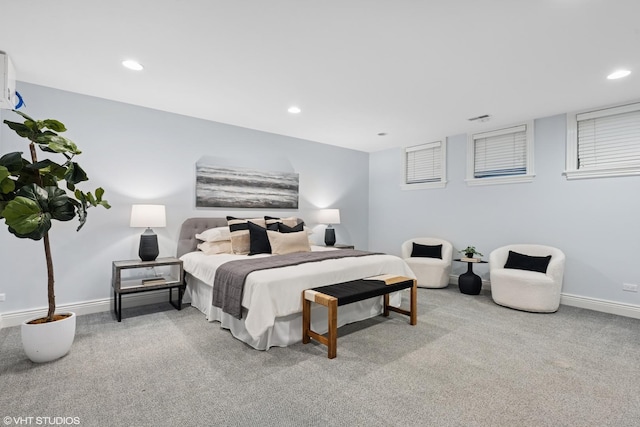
column 148, row 216
column 329, row 217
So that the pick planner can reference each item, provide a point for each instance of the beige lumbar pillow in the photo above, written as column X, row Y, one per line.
column 286, row 243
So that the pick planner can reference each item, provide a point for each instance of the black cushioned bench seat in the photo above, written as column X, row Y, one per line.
column 339, row 294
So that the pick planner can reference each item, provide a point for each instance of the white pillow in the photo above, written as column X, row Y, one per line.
column 286, row 243
column 213, row 248
column 217, row 234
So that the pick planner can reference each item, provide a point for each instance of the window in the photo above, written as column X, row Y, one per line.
column 425, row 165
column 604, row 143
column 501, row 156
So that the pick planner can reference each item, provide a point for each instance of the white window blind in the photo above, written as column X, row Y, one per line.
column 609, row 141
column 423, row 163
column 500, row 153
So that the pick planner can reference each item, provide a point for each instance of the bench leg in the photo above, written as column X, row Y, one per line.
column 333, row 329
column 414, row 304
column 306, row 319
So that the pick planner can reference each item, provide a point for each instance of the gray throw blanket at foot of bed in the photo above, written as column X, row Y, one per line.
column 228, row 283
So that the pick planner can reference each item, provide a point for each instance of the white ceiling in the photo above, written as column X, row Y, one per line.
column 416, row 70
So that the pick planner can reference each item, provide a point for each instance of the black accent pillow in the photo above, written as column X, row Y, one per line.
column 258, row 239
column 286, row 229
column 527, row 262
column 426, row 251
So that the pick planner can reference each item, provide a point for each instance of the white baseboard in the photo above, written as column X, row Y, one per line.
column 95, row 306
column 605, row 306
column 595, row 304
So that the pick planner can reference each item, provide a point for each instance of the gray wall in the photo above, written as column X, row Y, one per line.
column 140, row 155
column 594, row 221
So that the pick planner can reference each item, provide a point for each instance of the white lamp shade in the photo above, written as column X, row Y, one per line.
column 329, row 216
column 148, row 216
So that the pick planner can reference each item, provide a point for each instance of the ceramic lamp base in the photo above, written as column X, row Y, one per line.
column 148, row 246
column 329, row 236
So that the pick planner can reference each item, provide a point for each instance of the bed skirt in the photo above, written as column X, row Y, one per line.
column 286, row 330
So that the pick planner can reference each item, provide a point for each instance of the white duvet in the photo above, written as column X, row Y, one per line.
column 276, row 292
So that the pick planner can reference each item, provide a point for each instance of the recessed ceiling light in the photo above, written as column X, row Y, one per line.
column 618, row 74
column 294, row 110
column 132, row 65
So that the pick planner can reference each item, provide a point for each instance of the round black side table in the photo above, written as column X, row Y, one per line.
column 469, row 282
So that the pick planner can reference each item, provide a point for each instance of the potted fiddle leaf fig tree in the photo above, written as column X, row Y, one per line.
column 31, row 199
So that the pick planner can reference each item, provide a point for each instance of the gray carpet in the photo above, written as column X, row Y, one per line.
column 468, row 362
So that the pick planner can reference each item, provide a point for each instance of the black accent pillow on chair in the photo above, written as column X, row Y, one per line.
column 527, row 262
column 426, row 251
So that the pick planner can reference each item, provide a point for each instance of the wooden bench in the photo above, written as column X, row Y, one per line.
column 332, row 296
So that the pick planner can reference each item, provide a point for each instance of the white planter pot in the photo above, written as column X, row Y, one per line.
column 45, row 342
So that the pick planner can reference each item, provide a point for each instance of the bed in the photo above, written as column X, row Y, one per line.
column 271, row 301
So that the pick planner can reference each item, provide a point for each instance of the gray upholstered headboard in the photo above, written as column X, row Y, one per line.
column 187, row 241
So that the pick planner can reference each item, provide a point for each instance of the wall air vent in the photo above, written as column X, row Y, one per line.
column 482, row 118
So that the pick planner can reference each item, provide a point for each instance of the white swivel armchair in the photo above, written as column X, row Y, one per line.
column 527, row 289
column 430, row 271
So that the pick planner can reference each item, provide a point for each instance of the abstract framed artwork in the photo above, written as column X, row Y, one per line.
column 225, row 187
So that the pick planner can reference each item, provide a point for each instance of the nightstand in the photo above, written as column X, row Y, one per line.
column 339, row 246
column 132, row 276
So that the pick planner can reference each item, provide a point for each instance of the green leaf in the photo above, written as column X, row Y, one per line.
column 75, row 174
column 3, row 204
column 20, row 129
column 80, row 196
column 12, row 161
column 29, row 215
column 48, row 180
column 54, row 125
column 49, row 167
column 25, row 219
column 36, row 194
column 33, row 125
column 24, row 116
column 59, row 204
column 92, row 200
column 57, row 143
column 26, row 176
column 6, row 184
